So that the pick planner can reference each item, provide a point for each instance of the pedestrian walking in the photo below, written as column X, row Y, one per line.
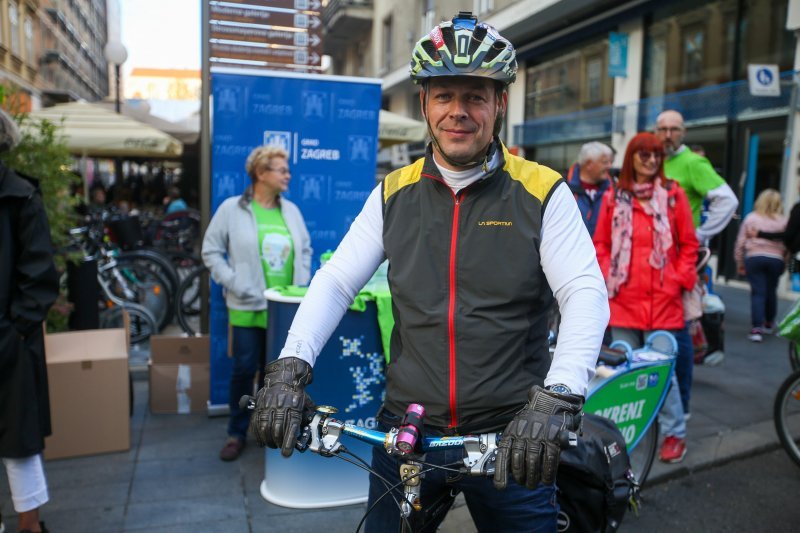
column 588, row 179
column 762, row 261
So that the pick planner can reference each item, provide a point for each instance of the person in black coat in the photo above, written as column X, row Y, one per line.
column 28, row 287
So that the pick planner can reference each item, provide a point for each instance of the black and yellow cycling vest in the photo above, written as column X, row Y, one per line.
column 469, row 296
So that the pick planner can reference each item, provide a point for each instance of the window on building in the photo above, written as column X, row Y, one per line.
column 428, row 17
column 770, row 44
column 480, row 7
column 594, row 79
column 13, row 23
column 693, row 54
column 690, row 44
column 28, row 31
column 387, row 44
column 572, row 80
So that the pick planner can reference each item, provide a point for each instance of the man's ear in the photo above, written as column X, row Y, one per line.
column 422, row 99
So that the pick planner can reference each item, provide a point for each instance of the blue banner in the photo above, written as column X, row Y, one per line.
column 617, row 54
column 329, row 126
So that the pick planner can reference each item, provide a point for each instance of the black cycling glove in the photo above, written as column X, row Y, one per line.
column 280, row 403
column 532, row 440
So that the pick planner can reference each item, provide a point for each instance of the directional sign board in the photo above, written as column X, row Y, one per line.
column 273, row 34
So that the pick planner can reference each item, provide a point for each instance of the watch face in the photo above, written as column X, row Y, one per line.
column 561, row 389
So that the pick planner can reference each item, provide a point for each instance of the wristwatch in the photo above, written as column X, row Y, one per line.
column 559, row 388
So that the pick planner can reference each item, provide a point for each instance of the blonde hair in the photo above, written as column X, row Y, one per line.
column 260, row 156
column 769, row 203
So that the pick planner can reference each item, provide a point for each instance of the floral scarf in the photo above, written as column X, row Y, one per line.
column 654, row 202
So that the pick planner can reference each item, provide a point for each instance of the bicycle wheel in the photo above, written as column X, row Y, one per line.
column 142, row 322
column 153, row 260
column 644, row 453
column 787, row 416
column 138, row 283
column 187, row 300
column 794, row 356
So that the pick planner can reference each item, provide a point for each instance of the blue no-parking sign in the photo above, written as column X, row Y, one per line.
column 329, row 126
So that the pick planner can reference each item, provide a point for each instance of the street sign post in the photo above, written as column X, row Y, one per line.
column 272, row 34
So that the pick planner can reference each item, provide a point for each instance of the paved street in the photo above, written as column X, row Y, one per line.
column 171, row 479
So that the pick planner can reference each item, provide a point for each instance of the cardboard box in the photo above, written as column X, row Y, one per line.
column 180, row 374
column 89, row 384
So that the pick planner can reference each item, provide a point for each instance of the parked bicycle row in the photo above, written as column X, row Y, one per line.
column 121, row 271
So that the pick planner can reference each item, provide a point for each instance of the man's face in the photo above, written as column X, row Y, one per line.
column 596, row 170
column 461, row 112
column 670, row 131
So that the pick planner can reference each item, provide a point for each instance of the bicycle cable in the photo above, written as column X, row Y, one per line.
column 382, row 496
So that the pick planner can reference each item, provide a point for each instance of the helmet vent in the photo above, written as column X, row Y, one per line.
column 449, row 37
column 477, row 38
column 494, row 51
column 430, row 49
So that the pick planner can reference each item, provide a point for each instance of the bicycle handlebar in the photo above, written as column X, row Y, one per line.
column 322, row 435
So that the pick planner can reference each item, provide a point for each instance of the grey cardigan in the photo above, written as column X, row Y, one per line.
column 232, row 232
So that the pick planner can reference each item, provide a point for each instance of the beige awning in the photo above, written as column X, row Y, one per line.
column 396, row 129
column 90, row 130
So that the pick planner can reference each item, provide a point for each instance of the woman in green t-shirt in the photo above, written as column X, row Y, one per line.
column 254, row 241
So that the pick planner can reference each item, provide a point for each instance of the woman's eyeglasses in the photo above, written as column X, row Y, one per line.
column 645, row 155
column 282, row 170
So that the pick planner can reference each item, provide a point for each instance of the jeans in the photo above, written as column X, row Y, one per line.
column 671, row 417
column 249, row 355
column 513, row 509
column 763, row 273
column 684, row 365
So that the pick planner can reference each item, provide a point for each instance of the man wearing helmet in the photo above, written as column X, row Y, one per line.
column 478, row 242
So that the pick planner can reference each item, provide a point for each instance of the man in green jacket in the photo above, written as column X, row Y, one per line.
column 697, row 177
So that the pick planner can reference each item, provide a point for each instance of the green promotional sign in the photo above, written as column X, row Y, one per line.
column 631, row 399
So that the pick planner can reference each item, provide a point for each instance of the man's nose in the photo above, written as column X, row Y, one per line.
column 457, row 108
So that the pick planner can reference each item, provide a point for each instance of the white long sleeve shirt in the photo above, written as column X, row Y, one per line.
column 568, row 260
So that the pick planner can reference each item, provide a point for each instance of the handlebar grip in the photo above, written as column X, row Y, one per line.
column 411, row 428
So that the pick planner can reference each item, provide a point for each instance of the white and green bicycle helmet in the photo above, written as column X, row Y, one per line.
column 464, row 47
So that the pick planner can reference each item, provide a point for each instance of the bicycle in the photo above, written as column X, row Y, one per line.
column 621, row 366
column 187, row 299
column 125, row 288
column 786, row 414
column 630, row 387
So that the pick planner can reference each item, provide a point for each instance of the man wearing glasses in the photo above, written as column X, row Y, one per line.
column 697, row 177
column 701, row 182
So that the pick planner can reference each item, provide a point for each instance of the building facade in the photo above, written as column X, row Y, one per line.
column 689, row 55
column 51, row 51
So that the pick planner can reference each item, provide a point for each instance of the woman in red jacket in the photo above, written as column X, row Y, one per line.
column 647, row 249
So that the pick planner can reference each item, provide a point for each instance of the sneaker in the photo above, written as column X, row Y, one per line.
column 768, row 329
column 714, row 358
column 232, row 449
column 673, row 450
column 687, row 417
column 755, row 335
column 2, row 527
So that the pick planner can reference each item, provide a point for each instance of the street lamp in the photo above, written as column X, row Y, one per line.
column 116, row 54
